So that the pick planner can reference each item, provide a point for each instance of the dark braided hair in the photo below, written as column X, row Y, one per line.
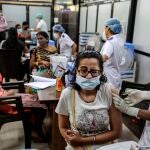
column 83, row 55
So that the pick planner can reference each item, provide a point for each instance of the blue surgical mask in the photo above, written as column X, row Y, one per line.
column 87, row 84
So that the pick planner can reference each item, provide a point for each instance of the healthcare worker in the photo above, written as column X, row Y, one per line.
column 41, row 24
column 65, row 45
column 126, row 106
column 113, row 51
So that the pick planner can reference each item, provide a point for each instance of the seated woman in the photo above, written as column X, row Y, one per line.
column 39, row 54
column 12, row 42
column 86, row 115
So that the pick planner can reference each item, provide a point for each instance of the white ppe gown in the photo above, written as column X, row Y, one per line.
column 114, row 49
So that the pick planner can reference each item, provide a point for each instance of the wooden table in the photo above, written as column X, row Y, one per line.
column 50, row 97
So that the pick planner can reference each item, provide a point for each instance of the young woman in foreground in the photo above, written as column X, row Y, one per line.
column 86, row 115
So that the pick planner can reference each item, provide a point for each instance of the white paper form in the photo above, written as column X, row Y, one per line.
column 40, row 85
column 42, row 79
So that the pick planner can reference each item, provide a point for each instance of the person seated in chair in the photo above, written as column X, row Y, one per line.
column 24, row 34
column 40, row 54
column 12, row 42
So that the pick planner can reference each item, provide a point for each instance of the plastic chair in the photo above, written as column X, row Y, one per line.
column 10, row 65
column 20, row 113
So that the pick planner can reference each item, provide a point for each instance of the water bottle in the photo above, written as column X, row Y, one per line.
column 59, row 84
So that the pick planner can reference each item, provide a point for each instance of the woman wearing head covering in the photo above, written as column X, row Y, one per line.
column 112, row 51
column 65, row 45
column 41, row 24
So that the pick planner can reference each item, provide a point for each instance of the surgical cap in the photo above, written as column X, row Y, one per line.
column 39, row 15
column 114, row 25
column 58, row 28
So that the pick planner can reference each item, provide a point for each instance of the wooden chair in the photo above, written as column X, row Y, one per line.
column 10, row 65
column 20, row 113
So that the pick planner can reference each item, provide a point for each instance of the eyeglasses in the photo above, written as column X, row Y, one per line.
column 84, row 72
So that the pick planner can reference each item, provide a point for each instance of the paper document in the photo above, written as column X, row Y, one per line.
column 40, row 85
column 42, row 79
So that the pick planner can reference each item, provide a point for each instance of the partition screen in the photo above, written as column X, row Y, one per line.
column 91, row 19
column 15, row 14
column 46, row 11
column 142, row 26
column 104, row 13
column 83, row 12
column 121, row 11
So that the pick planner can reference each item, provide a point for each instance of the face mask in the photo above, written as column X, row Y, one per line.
column 104, row 36
column 19, row 30
column 37, row 20
column 56, row 36
column 87, row 84
column 42, row 42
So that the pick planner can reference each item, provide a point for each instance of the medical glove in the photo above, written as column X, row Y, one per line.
column 124, row 107
column 136, row 96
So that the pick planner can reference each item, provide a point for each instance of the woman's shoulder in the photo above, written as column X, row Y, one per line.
column 67, row 91
column 105, row 94
column 52, row 49
column 105, row 86
column 34, row 50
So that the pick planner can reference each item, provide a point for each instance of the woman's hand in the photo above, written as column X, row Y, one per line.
column 136, row 96
column 73, row 138
column 44, row 63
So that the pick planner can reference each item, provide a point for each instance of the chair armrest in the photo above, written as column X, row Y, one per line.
column 14, row 85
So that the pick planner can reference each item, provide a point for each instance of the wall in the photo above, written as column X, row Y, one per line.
column 141, row 40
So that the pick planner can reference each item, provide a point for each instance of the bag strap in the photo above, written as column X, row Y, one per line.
column 73, row 107
column 88, row 147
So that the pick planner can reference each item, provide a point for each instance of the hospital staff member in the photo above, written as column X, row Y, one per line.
column 65, row 45
column 41, row 24
column 112, row 51
column 126, row 106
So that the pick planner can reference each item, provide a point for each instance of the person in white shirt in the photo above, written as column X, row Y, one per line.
column 86, row 115
column 113, row 51
column 127, row 106
column 65, row 45
column 3, row 27
column 41, row 24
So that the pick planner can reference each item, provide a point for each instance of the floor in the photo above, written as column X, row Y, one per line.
column 12, row 137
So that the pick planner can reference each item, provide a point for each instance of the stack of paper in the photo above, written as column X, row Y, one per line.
column 40, row 85
column 42, row 79
column 41, row 82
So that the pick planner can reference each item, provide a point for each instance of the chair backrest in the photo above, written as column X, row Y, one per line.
column 19, row 115
column 19, row 109
column 10, row 64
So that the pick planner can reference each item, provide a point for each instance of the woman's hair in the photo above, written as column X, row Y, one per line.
column 12, row 40
column 17, row 25
column 44, row 34
column 88, row 54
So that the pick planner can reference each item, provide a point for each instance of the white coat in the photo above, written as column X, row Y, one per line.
column 65, row 45
column 113, row 48
column 42, row 25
